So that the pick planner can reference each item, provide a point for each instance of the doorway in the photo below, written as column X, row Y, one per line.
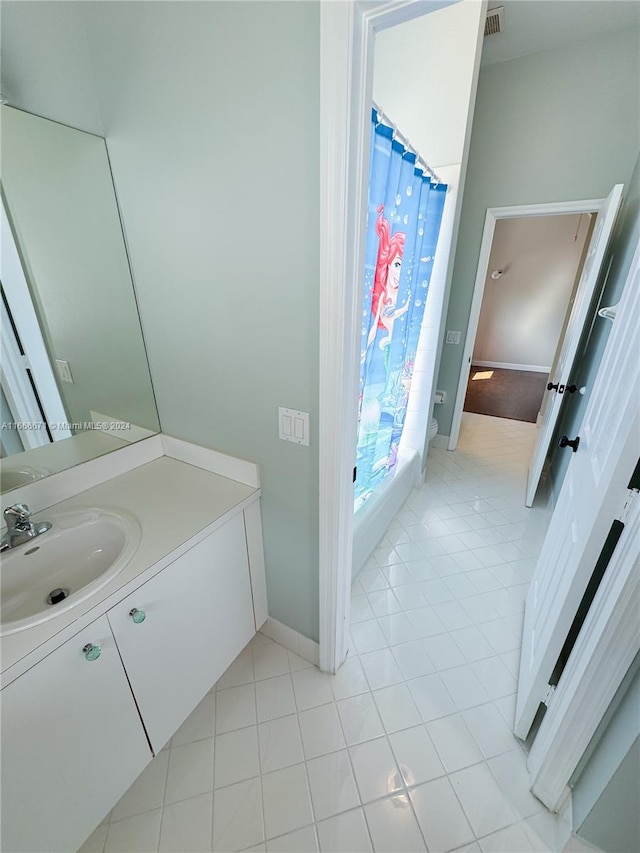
column 346, row 93
column 577, row 317
column 533, row 272
column 346, row 55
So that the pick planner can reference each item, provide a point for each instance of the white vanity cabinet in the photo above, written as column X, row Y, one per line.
column 72, row 744
column 198, row 615
column 91, row 693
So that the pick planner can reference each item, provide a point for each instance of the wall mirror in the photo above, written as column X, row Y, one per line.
column 74, row 373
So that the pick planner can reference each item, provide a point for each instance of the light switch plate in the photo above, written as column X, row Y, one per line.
column 453, row 337
column 293, row 426
column 64, row 371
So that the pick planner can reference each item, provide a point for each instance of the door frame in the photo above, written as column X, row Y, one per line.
column 17, row 389
column 27, row 325
column 493, row 215
column 347, row 34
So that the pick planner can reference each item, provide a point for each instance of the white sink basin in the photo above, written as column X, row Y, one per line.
column 13, row 478
column 82, row 552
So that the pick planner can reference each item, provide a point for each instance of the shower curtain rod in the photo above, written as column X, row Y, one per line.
column 405, row 141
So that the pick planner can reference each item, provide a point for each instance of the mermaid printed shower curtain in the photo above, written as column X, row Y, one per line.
column 404, row 215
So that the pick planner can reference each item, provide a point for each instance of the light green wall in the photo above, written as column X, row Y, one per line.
column 553, row 126
column 623, row 245
column 606, row 794
column 60, row 197
column 211, row 114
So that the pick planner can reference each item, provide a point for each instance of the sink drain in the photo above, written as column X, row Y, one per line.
column 57, row 595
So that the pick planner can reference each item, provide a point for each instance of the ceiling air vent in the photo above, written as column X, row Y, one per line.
column 495, row 21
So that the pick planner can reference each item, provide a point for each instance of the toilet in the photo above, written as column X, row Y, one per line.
column 433, row 430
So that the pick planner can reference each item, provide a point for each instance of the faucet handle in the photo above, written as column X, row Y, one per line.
column 17, row 513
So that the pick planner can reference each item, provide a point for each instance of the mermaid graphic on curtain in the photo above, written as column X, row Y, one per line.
column 404, row 215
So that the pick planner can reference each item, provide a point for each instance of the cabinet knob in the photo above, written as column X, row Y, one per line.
column 138, row 616
column 91, row 651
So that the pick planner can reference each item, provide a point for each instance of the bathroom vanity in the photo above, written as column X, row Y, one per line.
column 92, row 694
column 118, row 620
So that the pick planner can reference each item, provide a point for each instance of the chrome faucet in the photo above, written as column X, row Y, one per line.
column 19, row 528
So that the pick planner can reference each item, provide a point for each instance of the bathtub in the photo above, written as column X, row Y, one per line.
column 371, row 520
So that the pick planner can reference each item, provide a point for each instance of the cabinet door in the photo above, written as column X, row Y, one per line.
column 198, row 617
column 72, row 743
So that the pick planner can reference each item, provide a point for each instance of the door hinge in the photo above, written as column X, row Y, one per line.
column 632, row 497
column 551, row 689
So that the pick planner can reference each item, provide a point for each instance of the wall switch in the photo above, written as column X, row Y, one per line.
column 440, row 397
column 64, row 371
column 293, row 426
column 453, row 338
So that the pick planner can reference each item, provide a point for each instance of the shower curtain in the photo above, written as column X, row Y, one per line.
column 404, row 214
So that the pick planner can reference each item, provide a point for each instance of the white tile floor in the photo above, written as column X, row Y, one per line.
column 409, row 746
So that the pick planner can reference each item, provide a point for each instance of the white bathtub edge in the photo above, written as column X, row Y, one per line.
column 372, row 519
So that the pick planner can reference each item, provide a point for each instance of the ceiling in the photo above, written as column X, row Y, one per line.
column 534, row 25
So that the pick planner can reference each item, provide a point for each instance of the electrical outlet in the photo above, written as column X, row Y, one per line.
column 64, row 371
column 453, row 338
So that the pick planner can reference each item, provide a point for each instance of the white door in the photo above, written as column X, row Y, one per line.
column 23, row 315
column 60, row 723
column 19, row 393
column 592, row 495
column 199, row 616
column 579, row 314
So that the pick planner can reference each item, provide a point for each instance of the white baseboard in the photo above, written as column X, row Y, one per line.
column 507, row 365
column 575, row 844
column 440, row 441
column 292, row 640
column 564, row 825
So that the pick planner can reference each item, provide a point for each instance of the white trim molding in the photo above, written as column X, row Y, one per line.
column 347, row 33
column 607, row 643
column 492, row 216
column 507, row 365
column 337, row 408
column 27, row 324
column 440, row 441
column 292, row 640
column 23, row 405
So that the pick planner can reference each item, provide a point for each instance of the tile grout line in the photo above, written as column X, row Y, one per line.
column 519, row 543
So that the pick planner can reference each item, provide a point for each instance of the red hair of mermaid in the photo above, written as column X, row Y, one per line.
column 388, row 248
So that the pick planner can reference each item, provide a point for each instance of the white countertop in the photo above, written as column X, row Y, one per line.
column 173, row 502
